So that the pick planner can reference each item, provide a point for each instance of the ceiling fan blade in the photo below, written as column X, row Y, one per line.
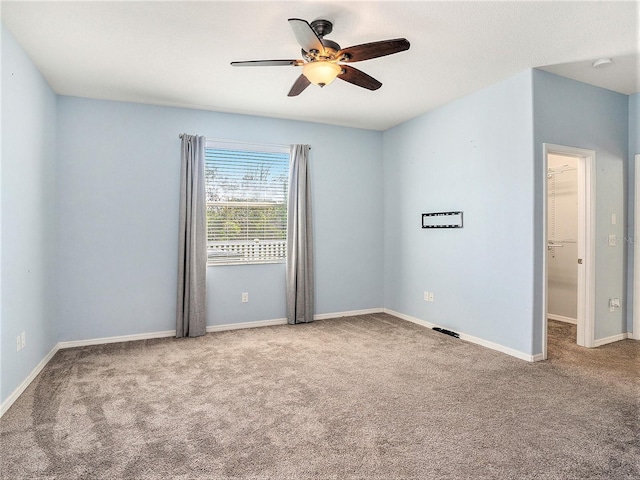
column 268, row 63
column 300, row 84
column 361, row 79
column 305, row 35
column 367, row 51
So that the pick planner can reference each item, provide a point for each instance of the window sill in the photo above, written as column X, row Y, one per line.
column 266, row 262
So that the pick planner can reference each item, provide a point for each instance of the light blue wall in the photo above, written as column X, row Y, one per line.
column 567, row 112
column 634, row 149
column 634, row 124
column 118, row 212
column 474, row 155
column 28, row 215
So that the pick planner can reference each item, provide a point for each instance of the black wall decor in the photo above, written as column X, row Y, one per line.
column 442, row 220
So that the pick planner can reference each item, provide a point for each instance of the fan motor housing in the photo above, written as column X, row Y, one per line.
column 322, row 27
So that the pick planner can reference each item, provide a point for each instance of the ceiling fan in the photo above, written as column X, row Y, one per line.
column 323, row 58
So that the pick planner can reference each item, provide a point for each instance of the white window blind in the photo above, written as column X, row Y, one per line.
column 246, row 190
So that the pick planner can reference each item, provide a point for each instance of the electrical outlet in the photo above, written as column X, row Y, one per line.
column 613, row 304
column 426, row 296
column 18, row 343
column 612, row 240
column 23, row 338
column 245, row 297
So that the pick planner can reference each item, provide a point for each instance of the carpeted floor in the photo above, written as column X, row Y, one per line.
column 368, row 397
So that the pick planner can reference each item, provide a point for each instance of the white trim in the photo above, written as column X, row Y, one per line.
column 500, row 348
column 210, row 329
column 242, row 325
column 283, row 321
column 350, row 313
column 471, row 339
column 247, row 146
column 122, row 338
column 586, row 242
column 611, row 339
column 409, row 318
column 636, row 254
column 27, row 381
column 560, row 318
column 586, row 233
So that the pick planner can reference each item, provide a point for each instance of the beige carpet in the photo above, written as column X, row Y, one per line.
column 368, row 397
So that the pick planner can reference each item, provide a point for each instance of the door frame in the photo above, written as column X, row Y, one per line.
column 586, row 242
column 635, row 334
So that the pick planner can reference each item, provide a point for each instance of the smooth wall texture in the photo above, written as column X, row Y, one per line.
column 118, row 211
column 634, row 125
column 575, row 114
column 28, row 215
column 474, row 155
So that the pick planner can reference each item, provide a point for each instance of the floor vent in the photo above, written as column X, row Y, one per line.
column 446, row 332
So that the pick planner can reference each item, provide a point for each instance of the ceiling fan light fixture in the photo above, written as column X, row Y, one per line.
column 321, row 73
column 321, row 57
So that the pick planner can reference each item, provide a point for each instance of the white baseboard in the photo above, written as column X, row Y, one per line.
column 351, row 313
column 633, row 337
column 613, row 338
column 470, row 338
column 560, row 318
column 501, row 348
column 239, row 326
column 27, row 381
column 121, row 338
column 408, row 318
column 283, row 321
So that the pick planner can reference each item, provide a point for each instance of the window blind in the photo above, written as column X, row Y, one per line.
column 246, row 192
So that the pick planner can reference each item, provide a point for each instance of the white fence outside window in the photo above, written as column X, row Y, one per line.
column 262, row 251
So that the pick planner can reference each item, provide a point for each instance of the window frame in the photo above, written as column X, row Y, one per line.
column 248, row 147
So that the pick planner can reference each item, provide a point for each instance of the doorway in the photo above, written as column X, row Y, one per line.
column 562, row 238
column 569, row 224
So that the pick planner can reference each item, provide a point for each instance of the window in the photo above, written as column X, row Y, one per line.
column 246, row 191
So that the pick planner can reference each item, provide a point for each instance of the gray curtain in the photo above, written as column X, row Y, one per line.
column 191, row 318
column 299, row 239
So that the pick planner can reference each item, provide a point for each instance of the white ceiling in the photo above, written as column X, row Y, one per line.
column 178, row 53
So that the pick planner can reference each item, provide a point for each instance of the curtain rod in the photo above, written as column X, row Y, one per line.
column 247, row 143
